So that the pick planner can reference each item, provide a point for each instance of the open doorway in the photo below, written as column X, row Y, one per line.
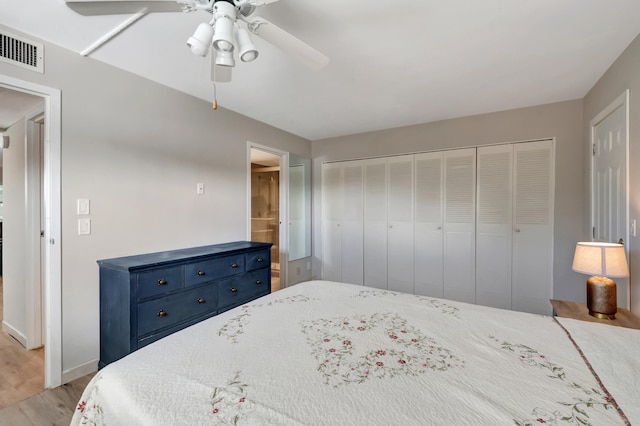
column 41, row 253
column 267, row 207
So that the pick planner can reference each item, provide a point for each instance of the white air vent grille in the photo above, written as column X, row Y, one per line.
column 21, row 52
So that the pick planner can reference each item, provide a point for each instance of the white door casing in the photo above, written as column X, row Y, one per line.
column 610, row 180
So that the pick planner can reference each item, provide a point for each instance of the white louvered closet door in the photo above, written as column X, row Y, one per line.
column 494, row 226
column 332, row 221
column 533, row 230
column 428, row 224
column 459, row 225
column 400, row 224
column 375, row 223
column 352, row 223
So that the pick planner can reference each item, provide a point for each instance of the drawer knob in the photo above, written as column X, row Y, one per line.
column 162, row 313
column 258, row 281
column 200, row 300
column 234, row 290
column 259, row 259
column 200, row 273
column 234, row 265
column 162, row 281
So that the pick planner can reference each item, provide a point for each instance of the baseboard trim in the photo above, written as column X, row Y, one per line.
column 79, row 371
column 21, row 338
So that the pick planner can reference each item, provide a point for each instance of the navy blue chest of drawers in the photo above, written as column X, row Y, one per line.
column 149, row 296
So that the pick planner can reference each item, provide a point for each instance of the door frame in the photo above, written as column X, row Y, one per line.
column 284, row 206
column 621, row 101
column 51, row 196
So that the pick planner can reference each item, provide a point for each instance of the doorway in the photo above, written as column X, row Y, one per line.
column 44, row 249
column 610, row 180
column 267, row 207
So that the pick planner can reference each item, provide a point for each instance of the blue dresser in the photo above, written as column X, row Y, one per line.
column 146, row 297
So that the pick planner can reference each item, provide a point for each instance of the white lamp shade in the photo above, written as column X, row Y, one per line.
column 605, row 259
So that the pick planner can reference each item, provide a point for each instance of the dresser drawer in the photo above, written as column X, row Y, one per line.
column 258, row 259
column 166, row 311
column 207, row 270
column 159, row 281
column 235, row 291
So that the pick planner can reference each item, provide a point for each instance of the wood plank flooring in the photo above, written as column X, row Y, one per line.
column 23, row 399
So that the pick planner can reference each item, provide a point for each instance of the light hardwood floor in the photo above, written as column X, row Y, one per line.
column 23, row 399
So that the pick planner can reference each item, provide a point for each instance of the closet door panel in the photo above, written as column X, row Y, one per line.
column 533, row 219
column 494, row 226
column 459, row 225
column 400, row 224
column 332, row 221
column 352, row 223
column 375, row 223
column 428, row 255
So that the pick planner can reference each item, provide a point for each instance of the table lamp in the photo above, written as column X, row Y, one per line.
column 601, row 260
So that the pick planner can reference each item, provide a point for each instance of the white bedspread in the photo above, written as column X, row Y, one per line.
column 324, row 353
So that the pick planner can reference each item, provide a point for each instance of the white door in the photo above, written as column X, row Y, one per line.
column 400, row 224
column 459, row 225
column 494, row 226
column 429, row 208
column 533, row 227
column 609, row 204
column 352, row 223
column 375, row 223
column 332, row 222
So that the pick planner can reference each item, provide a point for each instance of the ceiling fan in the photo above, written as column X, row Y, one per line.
column 227, row 30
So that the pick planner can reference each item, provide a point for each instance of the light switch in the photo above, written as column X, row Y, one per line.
column 200, row 188
column 84, row 226
column 83, row 206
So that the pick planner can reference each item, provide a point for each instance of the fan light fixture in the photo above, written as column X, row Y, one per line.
column 200, row 41
column 224, row 33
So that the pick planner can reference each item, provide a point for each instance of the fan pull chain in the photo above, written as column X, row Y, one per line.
column 215, row 101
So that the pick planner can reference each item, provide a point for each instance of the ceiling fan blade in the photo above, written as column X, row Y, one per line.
column 116, row 7
column 287, row 43
column 219, row 73
column 259, row 3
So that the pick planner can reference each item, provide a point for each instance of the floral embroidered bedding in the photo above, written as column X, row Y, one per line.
column 325, row 353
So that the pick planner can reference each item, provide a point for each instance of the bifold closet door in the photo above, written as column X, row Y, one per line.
column 352, row 223
column 459, row 225
column 400, row 225
column 375, row 223
column 494, row 226
column 332, row 221
column 533, row 226
column 429, row 208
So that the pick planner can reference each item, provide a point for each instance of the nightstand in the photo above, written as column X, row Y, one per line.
column 579, row 311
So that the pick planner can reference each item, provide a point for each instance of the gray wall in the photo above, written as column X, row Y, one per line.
column 562, row 121
column 623, row 74
column 136, row 149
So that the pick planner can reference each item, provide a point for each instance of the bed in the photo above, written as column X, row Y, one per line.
column 327, row 353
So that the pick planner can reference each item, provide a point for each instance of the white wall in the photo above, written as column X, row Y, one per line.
column 562, row 121
column 13, row 234
column 623, row 74
column 136, row 150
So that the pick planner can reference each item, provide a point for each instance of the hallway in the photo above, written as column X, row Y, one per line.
column 21, row 371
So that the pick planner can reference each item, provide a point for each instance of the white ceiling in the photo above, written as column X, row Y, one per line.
column 392, row 63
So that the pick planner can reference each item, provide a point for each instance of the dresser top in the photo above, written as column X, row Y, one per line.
column 172, row 256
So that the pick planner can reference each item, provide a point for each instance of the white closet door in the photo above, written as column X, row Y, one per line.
column 332, row 221
column 352, row 223
column 400, row 224
column 533, row 219
column 459, row 225
column 494, row 226
column 375, row 223
column 428, row 224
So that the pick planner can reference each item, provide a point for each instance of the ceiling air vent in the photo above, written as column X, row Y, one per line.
column 21, row 52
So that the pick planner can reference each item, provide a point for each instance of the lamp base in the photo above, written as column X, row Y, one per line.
column 602, row 300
